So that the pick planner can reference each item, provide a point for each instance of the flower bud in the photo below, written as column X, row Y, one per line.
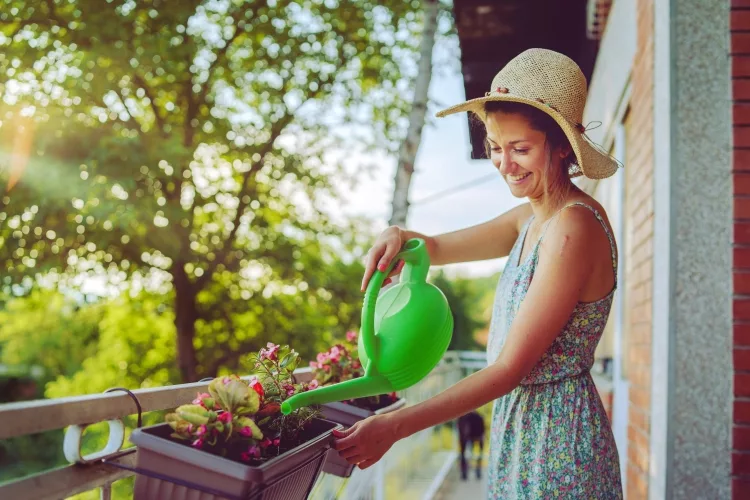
column 243, row 423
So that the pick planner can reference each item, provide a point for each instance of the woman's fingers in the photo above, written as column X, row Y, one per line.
column 397, row 269
column 350, row 454
column 346, row 439
column 365, row 464
column 373, row 257
column 381, row 254
column 391, row 250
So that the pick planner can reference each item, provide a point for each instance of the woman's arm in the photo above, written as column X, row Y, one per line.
column 563, row 270
column 490, row 240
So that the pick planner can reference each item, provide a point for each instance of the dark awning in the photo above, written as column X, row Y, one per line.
column 492, row 32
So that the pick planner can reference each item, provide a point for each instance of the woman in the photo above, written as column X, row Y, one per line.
column 550, row 436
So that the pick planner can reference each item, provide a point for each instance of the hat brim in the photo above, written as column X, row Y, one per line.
column 592, row 162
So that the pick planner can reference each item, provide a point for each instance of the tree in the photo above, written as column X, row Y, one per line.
column 407, row 155
column 183, row 146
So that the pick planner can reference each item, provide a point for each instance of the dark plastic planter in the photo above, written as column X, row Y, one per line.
column 348, row 415
column 168, row 470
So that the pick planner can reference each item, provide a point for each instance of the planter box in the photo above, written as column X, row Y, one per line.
column 348, row 415
column 168, row 470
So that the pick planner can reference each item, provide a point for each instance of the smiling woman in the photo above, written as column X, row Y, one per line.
column 550, row 436
column 532, row 141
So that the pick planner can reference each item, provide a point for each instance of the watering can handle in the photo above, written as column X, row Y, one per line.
column 417, row 262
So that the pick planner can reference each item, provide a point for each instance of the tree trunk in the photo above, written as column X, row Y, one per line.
column 184, row 320
column 408, row 152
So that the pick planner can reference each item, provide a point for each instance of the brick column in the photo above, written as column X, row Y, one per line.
column 740, row 51
column 639, row 216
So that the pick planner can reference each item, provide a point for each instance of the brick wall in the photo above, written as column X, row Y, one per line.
column 740, row 51
column 639, row 216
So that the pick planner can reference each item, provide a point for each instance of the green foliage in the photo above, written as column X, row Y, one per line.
column 83, row 348
column 192, row 144
column 53, row 332
column 468, row 300
column 135, row 349
column 49, row 330
column 183, row 152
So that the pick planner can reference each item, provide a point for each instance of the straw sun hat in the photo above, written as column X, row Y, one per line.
column 554, row 84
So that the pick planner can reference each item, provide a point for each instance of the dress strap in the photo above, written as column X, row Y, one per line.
column 612, row 246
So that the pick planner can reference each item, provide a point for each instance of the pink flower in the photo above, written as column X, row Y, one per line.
column 266, row 443
column 246, row 431
column 225, row 417
column 313, row 364
column 257, row 386
column 290, row 390
column 313, row 385
column 201, row 430
column 270, row 352
column 226, row 380
column 199, row 399
column 351, row 336
column 322, row 358
column 356, row 364
column 198, row 443
column 335, row 354
column 326, row 368
column 276, row 442
column 251, row 452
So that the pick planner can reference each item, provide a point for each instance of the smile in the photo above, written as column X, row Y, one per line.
column 517, row 178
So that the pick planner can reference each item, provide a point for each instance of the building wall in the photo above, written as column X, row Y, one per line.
column 608, row 102
column 691, row 404
column 639, row 223
column 740, row 51
column 612, row 72
column 685, row 371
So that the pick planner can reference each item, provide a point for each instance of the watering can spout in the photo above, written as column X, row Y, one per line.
column 369, row 385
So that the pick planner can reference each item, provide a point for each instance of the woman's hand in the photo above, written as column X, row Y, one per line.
column 386, row 247
column 367, row 441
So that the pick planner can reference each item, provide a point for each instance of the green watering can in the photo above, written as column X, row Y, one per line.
column 405, row 333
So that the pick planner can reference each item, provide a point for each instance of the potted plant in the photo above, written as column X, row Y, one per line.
column 338, row 364
column 233, row 441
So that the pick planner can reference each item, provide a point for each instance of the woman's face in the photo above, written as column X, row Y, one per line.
column 520, row 154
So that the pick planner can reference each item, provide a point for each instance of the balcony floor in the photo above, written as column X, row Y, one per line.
column 456, row 489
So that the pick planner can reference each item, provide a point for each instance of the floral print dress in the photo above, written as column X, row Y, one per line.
column 551, row 437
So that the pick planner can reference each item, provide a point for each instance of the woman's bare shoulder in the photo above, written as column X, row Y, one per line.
column 521, row 214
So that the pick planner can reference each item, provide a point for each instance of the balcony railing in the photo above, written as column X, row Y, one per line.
column 415, row 467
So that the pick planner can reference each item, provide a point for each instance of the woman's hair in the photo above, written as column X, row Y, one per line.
column 555, row 138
